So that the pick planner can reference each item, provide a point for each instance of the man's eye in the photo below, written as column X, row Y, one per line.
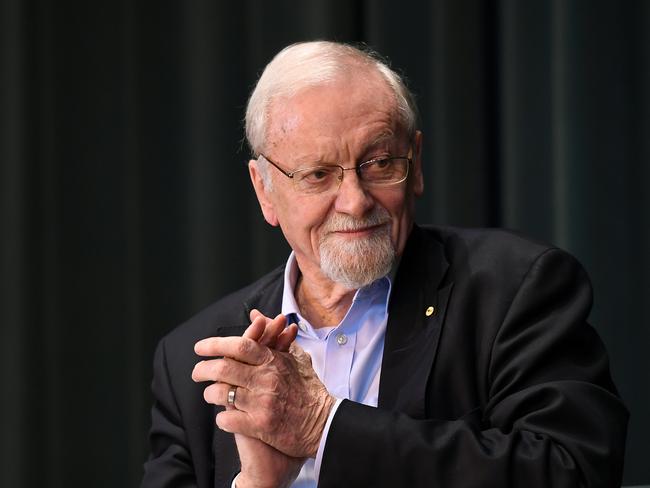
column 378, row 166
column 316, row 175
column 381, row 163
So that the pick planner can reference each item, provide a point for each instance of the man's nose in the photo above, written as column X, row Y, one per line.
column 352, row 198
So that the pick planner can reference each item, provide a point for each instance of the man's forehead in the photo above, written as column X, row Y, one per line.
column 370, row 88
column 384, row 137
column 290, row 122
column 333, row 113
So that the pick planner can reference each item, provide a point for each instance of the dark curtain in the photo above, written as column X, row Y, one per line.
column 125, row 202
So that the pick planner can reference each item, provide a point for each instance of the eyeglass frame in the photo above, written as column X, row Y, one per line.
column 408, row 157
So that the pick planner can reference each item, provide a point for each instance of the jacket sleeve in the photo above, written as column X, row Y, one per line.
column 552, row 417
column 170, row 463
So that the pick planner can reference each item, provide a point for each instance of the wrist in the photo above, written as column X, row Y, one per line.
column 324, row 410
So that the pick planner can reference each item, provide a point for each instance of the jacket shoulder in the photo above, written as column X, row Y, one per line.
column 490, row 248
column 486, row 239
column 497, row 260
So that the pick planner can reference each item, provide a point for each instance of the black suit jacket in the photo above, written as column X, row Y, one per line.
column 504, row 384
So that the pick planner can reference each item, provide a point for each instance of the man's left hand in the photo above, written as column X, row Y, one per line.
column 279, row 399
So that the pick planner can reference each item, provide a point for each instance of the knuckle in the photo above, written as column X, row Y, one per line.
column 244, row 347
column 218, row 369
column 265, row 420
column 266, row 403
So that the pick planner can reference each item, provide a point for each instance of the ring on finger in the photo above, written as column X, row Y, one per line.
column 232, row 394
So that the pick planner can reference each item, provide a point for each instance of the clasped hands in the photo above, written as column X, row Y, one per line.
column 280, row 406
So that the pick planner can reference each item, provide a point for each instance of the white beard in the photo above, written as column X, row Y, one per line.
column 355, row 263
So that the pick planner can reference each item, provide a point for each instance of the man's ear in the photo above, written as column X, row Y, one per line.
column 262, row 193
column 418, row 179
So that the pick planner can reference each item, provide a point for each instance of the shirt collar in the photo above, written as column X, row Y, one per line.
column 291, row 270
column 289, row 305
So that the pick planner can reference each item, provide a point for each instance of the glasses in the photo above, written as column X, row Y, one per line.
column 373, row 173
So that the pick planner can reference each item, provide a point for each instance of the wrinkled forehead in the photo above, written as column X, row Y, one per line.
column 345, row 105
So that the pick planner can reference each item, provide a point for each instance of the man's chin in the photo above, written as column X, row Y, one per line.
column 357, row 262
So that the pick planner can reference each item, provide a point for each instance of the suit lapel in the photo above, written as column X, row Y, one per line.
column 417, row 311
column 268, row 300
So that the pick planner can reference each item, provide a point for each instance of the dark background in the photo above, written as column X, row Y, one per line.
column 125, row 205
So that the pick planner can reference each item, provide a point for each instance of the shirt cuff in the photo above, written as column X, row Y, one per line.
column 323, row 440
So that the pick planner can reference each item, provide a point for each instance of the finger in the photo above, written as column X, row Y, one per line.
column 217, row 394
column 256, row 329
column 242, row 349
column 273, row 330
column 255, row 313
column 236, row 422
column 286, row 337
column 224, row 371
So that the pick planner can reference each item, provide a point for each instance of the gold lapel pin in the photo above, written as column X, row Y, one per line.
column 429, row 311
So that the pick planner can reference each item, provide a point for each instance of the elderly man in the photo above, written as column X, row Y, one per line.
column 383, row 353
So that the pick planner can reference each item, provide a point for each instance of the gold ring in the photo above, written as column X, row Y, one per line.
column 232, row 393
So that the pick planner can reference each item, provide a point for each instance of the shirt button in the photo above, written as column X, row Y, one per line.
column 341, row 339
column 302, row 326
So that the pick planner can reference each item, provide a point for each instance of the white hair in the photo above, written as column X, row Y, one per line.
column 307, row 64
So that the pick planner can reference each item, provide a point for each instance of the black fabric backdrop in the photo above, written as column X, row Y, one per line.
column 125, row 205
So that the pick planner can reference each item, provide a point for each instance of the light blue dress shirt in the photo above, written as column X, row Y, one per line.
column 346, row 358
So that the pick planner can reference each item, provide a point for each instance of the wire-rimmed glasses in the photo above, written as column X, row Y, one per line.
column 375, row 172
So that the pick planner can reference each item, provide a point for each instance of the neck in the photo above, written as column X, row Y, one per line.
column 322, row 302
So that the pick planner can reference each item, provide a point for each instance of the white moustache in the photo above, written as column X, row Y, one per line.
column 345, row 223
